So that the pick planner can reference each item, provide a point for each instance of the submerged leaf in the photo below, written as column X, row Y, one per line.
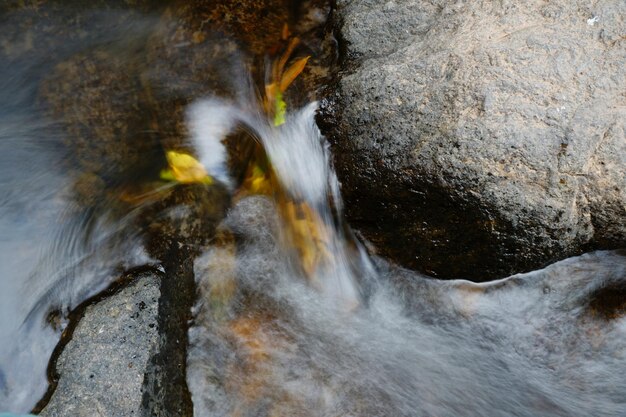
column 279, row 66
column 285, row 33
column 270, row 97
column 258, row 181
column 308, row 234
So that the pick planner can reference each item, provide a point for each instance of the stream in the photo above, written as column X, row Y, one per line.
column 294, row 315
column 375, row 340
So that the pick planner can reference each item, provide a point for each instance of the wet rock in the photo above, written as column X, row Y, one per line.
column 482, row 139
column 78, row 69
column 165, row 391
column 255, row 24
column 102, row 368
column 609, row 302
column 186, row 216
column 97, row 98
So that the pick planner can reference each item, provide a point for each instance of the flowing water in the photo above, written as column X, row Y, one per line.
column 284, row 326
column 267, row 343
column 55, row 250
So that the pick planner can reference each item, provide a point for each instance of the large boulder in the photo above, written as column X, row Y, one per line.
column 479, row 139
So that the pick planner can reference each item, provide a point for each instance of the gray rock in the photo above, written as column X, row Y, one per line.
column 488, row 136
column 103, row 366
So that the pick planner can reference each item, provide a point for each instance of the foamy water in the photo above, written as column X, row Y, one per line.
column 266, row 343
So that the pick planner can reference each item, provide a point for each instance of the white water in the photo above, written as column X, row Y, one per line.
column 300, row 157
column 47, row 260
column 524, row 346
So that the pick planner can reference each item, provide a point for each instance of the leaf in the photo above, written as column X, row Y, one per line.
column 279, row 66
column 292, row 72
column 280, row 109
column 258, row 181
column 270, row 97
column 167, row 175
column 285, row 33
column 308, row 233
column 186, row 169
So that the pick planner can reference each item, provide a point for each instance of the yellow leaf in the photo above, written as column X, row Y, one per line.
column 280, row 109
column 257, row 181
column 292, row 72
column 167, row 175
column 186, row 169
column 308, row 233
column 270, row 97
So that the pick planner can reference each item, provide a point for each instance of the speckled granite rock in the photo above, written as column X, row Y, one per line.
column 479, row 139
column 102, row 369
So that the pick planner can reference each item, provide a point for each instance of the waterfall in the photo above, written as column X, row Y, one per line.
column 300, row 158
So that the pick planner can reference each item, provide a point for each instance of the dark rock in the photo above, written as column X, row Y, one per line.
column 98, row 99
column 165, row 391
column 609, row 302
column 477, row 139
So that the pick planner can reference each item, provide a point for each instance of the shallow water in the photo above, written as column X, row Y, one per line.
column 53, row 254
column 55, row 251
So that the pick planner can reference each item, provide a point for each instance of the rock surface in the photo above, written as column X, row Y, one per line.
column 487, row 137
column 103, row 367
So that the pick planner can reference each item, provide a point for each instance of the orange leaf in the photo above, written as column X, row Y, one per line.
column 280, row 65
column 292, row 72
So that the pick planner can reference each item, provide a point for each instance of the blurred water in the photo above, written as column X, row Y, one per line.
column 300, row 157
column 54, row 251
column 53, row 255
column 525, row 346
column 266, row 343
